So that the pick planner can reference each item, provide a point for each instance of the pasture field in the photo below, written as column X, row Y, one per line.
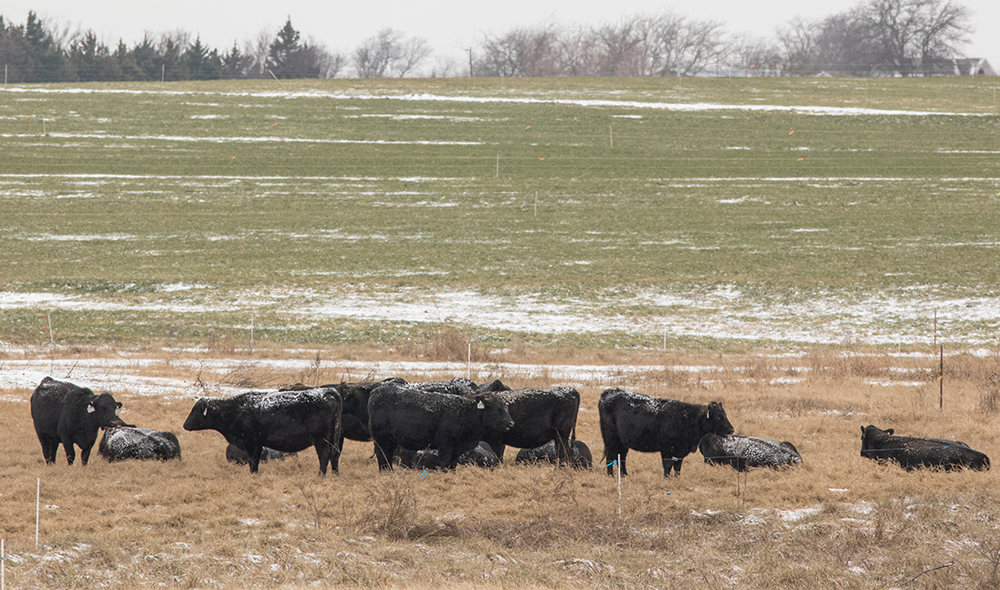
column 721, row 214
column 837, row 520
column 791, row 247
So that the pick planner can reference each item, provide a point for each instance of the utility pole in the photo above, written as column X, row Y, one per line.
column 470, row 62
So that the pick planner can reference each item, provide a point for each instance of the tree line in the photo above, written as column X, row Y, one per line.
column 874, row 38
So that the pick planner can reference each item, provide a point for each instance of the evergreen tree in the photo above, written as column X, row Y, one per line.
column 202, row 64
column 287, row 58
column 45, row 60
column 235, row 64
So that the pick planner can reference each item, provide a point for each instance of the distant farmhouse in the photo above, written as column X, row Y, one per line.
column 960, row 66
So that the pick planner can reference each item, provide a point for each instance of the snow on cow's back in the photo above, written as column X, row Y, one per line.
column 270, row 401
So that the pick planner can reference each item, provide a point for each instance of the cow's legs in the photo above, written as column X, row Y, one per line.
column 613, row 454
column 324, row 450
column 85, row 454
column 669, row 461
column 338, row 448
column 564, row 453
column 70, row 450
column 50, row 446
column 384, row 448
column 254, row 450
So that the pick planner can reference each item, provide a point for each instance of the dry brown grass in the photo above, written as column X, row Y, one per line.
column 837, row 520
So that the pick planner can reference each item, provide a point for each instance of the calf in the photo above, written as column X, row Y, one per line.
column 235, row 454
column 539, row 415
column 68, row 414
column 481, row 456
column 582, row 457
column 672, row 428
column 127, row 442
column 287, row 421
column 413, row 419
column 743, row 452
column 912, row 452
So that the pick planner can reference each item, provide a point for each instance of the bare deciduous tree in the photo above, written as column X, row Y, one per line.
column 389, row 53
column 520, row 52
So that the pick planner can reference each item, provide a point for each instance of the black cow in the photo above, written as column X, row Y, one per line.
column 672, row 428
column 582, row 457
column 68, row 414
column 235, row 454
column 539, row 415
column 413, row 419
column 481, row 456
column 120, row 443
column 914, row 452
column 743, row 452
column 287, row 421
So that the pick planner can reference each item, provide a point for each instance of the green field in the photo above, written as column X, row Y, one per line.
column 713, row 213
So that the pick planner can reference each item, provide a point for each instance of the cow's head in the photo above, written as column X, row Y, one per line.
column 104, row 409
column 200, row 417
column 871, row 435
column 493, row 412
column 716, row 421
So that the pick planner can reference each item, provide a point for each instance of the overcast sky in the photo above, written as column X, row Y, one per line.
column 450, row 26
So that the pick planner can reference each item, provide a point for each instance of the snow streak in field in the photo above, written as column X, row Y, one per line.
column 722, row 313
column 427, row 97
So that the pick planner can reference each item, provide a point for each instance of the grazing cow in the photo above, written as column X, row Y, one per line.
column 672, row 428
column 539, row 415
column 413, row 419
column 582, row 457
column 68, row 414
column 287, row 421
column 235, row 454
column 912, row 452
column 127, row 442
column 481, row 456
column 743, row 452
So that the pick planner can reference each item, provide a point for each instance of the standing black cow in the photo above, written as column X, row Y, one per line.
column 915, row 452
column 68, row 414
column 539, row 415
column 417, row 420
column 582, row 457
column 743, row 452
column 672, row 428
column 126, row 442
column 287, row 421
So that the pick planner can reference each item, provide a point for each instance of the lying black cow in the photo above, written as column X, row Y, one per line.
column 582, row 457
column 481, row 456
column 120, row 443
column 235, row 454
column 68, row 414
column 287, row 421
column 672, row 428
column 914, row 452
column 539, row 415
column 743, row 452
column 413, row 419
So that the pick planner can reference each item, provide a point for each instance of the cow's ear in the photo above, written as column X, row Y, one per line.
column 119, row 405
column 862, row 430
column 890, row 431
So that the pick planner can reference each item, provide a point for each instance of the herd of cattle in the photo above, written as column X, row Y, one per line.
column 442, row 424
